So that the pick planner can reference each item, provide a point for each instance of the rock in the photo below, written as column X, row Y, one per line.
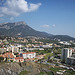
column 16, row 68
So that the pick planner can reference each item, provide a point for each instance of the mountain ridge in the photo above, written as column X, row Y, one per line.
column 22, row 29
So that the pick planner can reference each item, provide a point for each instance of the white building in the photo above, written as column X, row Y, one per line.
column 65, row 43
column 30, row 49
column 47, row 46
column 28, row 55
column 65, row 54
column 14, row 49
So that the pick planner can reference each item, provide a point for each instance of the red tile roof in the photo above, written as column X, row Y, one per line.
column 8, row 55
column 40, row 55
column 30, row 59
column 1, row 55
column 29, row 53
column 19, row 58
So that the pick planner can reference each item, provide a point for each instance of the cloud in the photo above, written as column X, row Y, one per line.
column 34, row 7
column 11, row 18
column 16, row 7
column 53, row 25
column 45, row 26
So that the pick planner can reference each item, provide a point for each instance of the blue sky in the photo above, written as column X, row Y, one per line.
column 51, row 16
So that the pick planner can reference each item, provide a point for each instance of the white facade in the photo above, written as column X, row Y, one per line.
column 14, row 49
column 34, row 49
column 29, row 55
column 65, row 54
column 47, row 46
column 65, row 43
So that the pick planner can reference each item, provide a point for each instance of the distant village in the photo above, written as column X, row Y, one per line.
column 18, row 49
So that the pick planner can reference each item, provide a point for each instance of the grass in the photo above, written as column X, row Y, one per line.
column 56, row 69
column 24, row 73
column 67, row 72
column 43, row 73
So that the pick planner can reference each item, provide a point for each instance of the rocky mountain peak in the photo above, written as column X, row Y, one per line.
column 20, row 23
column 3, row 23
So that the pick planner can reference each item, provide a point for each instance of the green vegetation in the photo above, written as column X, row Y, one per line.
column 56, row 51
column 43, row 73
column 72, row 45
column 48, row 55
column 16, row 54
column 47, row 41
column 1, row 59
column 11, row 60
column 67, row 72
column 56, row 69
column 24, row 73
column 39, row 52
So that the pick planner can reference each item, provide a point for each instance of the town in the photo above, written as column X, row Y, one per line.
column 40, row 50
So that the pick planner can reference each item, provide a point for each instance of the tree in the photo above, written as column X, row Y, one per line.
column 48, row 55
column 1, row 59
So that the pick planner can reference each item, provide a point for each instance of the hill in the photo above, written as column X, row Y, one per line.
column 22, row 29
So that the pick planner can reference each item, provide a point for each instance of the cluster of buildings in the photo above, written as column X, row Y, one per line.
column 68, row 56
column 8, row 48
column 25, row 56
column 11, row 48
column 8, row 44
column 22, row 57
column 65, row 43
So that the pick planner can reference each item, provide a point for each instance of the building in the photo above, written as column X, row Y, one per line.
column 65, row 43
column 8, row 55
column 40, row 56
column 14, row 49
column 30, row 49
column 2, row 50
column 70, row 61
column 19, row 59
column 28, row 55
column 65, row 54
column 46, row 46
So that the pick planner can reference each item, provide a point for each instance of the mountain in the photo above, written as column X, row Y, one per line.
column 20, row 29
column 62, row 37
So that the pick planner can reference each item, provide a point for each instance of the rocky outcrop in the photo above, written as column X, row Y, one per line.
column 10, row 69
column 16, row 68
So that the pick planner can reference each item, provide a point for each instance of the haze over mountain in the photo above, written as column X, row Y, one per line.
column 22, row 29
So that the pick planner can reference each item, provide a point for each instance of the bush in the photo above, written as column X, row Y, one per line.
column 1, row 59
column 11, row 60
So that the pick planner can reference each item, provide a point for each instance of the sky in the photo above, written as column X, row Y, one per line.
column 52, row 16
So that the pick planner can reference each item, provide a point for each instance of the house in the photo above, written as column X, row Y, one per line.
column 19, row 59
column 30, row 49
column 28, row 55
column 14, row 49
column 8, row 55
column 31, row 59
column 40, row 56
column 2, row 50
